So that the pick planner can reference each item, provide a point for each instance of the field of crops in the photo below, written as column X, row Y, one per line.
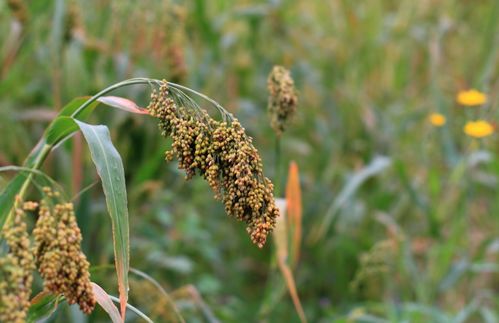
column 369, row 127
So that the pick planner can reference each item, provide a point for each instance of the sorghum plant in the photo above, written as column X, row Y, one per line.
column 219, row 150
column 282, row 99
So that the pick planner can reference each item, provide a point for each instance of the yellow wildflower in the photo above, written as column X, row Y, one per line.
column 478, row 129
column 437, row 119
column 471, row 98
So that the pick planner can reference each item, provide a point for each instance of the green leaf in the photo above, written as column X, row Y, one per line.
column 42, row 306
column 7, row 198
column 56, row 131
column 73, row 105
column 110, row 169
column 64, row 126
column 59, row 129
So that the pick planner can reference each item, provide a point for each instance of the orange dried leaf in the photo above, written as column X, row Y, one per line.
column 281, row 241
column 294, row 209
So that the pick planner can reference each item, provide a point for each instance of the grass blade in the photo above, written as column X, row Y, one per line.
column 64, row 126
column 42, row 306
column 7, row 197
column 106, row 303
column 379, row 164
column 110, row 169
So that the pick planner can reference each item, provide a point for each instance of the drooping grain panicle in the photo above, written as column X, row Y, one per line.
column 16, row 269
column 60, row 261
column 224, row 155
column 282, row 98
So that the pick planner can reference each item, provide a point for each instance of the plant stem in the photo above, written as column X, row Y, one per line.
column 278, row 151
column 42, row 155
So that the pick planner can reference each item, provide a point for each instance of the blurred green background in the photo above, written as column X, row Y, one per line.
column 400, row 218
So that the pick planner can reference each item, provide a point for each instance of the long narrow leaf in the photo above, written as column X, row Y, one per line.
column 376, row 166
column 8, row 195
column 73, row 105
column 106, row 303
column 110, row 169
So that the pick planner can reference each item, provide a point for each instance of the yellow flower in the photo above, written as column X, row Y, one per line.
column 437, row 119
column 478, row 129
column 471, row 98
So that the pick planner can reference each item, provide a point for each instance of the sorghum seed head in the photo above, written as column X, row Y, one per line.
column 282, row 99
column 60, row 261
column 16, row 269
column 224, row 155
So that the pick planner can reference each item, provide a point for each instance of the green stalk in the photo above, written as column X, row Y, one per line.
column 274, row 286
column 278, row 157
column 42, row 155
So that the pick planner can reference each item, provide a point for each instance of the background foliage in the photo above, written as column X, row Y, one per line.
column 400, row 218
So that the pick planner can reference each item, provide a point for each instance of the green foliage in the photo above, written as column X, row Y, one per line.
column 109, row 166
column 368, row 73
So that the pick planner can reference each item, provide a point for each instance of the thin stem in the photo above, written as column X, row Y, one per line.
column 34, row 171
column 207, row 98
column 278, row 152
column 38, row 162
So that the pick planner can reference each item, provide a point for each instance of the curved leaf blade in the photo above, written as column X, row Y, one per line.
column 73, row 105
column 106, row 303
column 110, row 169
column 7, row 197
column 42, row 306
column 64, row 126
column 59, row 129
column 122, row 104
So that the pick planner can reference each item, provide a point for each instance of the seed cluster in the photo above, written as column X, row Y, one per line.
column 16, row 271
column 224, row 155
column 60, row 261
column 282, row 100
